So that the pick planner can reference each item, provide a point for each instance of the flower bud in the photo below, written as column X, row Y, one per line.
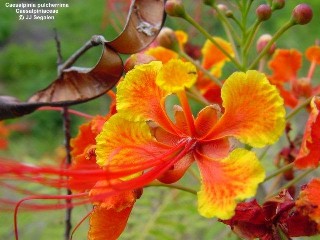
column 302, row 14
column 225, row 10
column 175, row 8
column 262, row 43
column 263, row 12
column 168, row 39
column 137, row 59
column 278, row 4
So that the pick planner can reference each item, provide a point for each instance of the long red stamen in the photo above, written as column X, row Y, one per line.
column 77, row 113
column 79, row 223
column 153, row 173
column 39, row 198
column 153, row 169
column 311, row 70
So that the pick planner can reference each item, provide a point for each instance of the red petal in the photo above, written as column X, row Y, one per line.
column 309, row 154
column 177, row 171
column 285, row 64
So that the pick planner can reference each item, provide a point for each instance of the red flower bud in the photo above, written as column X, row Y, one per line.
column 263, row 12
column 167, row 38
column 302, row 14
column 137, row 59
column 263, row 41
column 175, row 8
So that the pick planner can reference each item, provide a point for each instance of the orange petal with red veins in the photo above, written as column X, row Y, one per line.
column 254, row 111
column 309, row 201
column 87, row 135
column 83, row 153
column 163, row 136
column 309, row 154
column 216, row 149
column 128, row 146
column 107, row 223
column 177, row 170
column 285, row 64
column 227, row 181
column 213, row 55
column 207, row 118
column 140, row 99
column 162, row 54
column 313, row 54
column 180, row 120
column 111, row 212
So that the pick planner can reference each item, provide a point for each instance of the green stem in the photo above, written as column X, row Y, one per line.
column 249, row 41
column 264, row 152
column 174, row 186
column 268, row 46
column 196, row 95
column 279, row 171
column 229, row 30
column 202, row 69
column 211, row 39
column 292, row 182
column 299, row 108
column 231, row 38
column 241, row 26
column 248, row 7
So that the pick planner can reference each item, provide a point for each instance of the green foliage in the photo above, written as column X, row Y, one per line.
column 164, row 214
column 7, row 24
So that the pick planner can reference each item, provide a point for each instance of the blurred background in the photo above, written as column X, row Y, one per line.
column 28, row 57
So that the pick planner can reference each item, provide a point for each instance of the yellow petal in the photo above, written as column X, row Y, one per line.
column 140, row 99
column 254, row 111
column 123, row 145
column 227, row 181
column 176, row 75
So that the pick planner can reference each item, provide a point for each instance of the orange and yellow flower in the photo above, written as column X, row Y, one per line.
column 309, row 201
column 285, row 66
column 110, row 214
column 309, row 153
column 213, row 60
column 141, row 143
